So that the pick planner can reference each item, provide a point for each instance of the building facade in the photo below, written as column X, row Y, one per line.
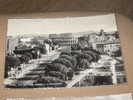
column 64, row 39
column 108, row 47
column 104, row 43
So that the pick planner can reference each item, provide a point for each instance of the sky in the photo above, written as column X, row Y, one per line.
column 110, row 97
column 61, row 25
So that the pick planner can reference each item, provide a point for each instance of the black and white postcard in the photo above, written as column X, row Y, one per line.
column 63, row 52
column 109, row 97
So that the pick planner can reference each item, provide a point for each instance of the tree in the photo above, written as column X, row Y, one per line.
column 75, row 47
column 50, row 81
column 68, row 72
column 24, row 59
column 84, row 56
column 49, row 67
column 90, row 54
column 61, row 68
column 29, row 55
column 71, row 59
column 48, row 41
column 56, row 74
column 11, row 62
column 63, row 61
column 75, row 53
column 95, row 56
column 84, row 64
column 55, row 42
column 56, row 67
column 65, row 53
column 41, row 47
column 35, row 41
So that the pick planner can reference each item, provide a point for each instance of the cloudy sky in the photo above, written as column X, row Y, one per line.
column 111, row 97
column 61, row 25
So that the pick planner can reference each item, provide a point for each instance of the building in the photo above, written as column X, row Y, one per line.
column 108, row 47
column 98, row 37
column 120, row 71
column 104, row 43
column 64, row 39
column 111, row 47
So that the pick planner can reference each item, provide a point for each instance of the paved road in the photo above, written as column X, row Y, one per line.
column 78, row 78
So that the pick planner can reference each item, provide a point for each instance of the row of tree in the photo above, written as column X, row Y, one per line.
column 64, row 67
column 22, row 55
